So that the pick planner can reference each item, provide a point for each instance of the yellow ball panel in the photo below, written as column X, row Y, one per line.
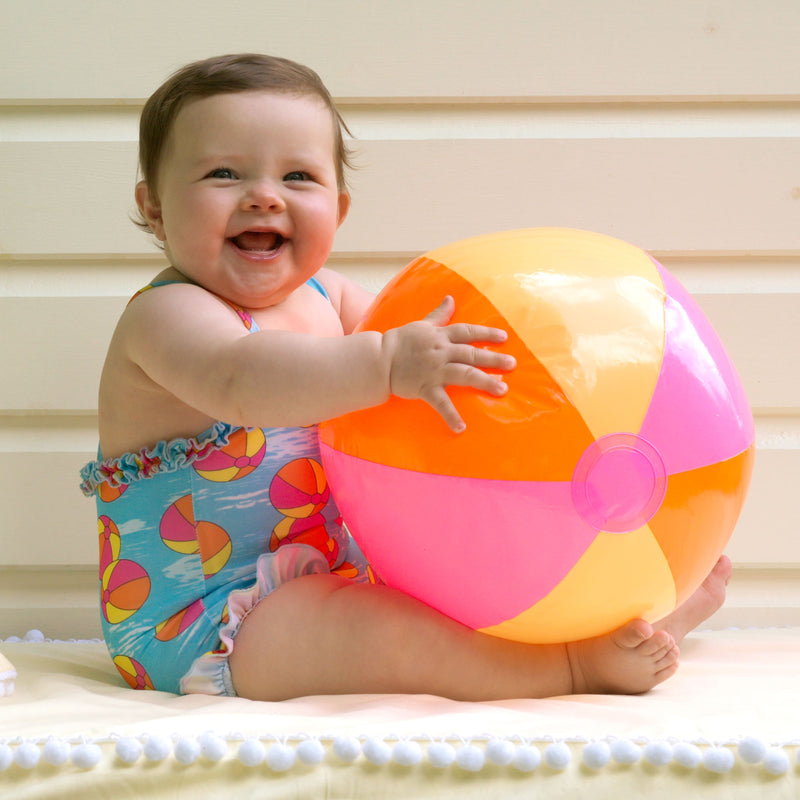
column 618, row 578
column 598, row 327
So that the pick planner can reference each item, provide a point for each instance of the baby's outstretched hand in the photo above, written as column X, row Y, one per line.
column 427, row 356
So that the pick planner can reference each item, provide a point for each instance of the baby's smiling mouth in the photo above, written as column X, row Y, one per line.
column 258, row 241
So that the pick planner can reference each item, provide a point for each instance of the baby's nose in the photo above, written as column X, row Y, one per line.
column 263, row 195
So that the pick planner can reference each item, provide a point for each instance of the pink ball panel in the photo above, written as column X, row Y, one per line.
column 480, row 580
column 699, row 413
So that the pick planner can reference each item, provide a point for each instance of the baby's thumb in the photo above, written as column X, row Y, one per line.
column 443, row 313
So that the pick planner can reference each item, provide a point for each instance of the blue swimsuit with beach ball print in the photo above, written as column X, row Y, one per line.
column 193, row 533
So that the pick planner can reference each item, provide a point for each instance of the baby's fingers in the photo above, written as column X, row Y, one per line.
column 443, row 313
column 482, row 358
column 475, row 378
column 466, row 333
column 440, row 401
column 461, row 375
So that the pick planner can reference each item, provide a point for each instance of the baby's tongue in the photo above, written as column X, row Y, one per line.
column 256, row 240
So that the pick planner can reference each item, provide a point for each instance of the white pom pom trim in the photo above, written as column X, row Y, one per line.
column 377, row 752
column 527, row 758
column 87, row 755
column 311, row 752
column 56, row 752
column 470, row 758
column 157, row 747
column 281, row 757
column 129, row 750
column 558, row 756
column 658, row 753
column 752, row 750
column 187, row 750
column 347, row 748
column 407, row 753
column 776, row 761
column 500, row 752
column 441, row 754
column 687, row 755
column 6, row 757
column 719, row 760
column 596, row 755
column 212, row 747
column 27, row 755
column 35, row 636
column 625, row 751
column 280, row 754
column 252, row 752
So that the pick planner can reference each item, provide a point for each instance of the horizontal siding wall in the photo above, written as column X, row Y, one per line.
column 675, row 126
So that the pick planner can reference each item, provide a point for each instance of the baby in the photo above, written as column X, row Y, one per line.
column 224, row 564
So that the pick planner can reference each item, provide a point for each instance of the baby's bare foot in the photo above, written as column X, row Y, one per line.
column 629, row 660
column 701, row 605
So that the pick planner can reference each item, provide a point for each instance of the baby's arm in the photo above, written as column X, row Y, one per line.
column 276, row 378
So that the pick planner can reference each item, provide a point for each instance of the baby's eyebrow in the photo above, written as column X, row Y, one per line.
column 215, row 158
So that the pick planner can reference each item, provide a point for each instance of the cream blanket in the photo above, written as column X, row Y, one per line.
column 728, row 725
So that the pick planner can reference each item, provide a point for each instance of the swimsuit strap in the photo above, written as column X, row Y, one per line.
column 248, row 321
column 315, row 284
column 245, row 317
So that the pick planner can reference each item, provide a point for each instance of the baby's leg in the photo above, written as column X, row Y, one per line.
column 321, row 634
column 701, row 605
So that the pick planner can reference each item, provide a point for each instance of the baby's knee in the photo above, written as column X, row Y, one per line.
column 281, row 636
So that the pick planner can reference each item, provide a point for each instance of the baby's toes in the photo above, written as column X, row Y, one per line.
column 633, row 635
column 670, row 656
column 668, row 664
column 658, row 645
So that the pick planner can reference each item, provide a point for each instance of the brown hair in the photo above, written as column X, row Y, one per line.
column 226, row 75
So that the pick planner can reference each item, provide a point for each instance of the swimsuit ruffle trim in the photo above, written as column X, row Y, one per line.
column 210, row 674
column 164, row 457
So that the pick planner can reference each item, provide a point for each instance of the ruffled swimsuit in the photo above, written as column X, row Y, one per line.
column 195, row 532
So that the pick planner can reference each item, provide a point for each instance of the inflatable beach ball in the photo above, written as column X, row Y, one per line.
column 602, row 487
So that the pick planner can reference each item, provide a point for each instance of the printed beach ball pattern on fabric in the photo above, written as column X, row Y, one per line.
column 133, row 672
column 243, row 453
column 124, row 587
column 182, row 533
column 602, row 487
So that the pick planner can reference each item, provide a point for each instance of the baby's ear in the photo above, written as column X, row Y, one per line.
column 150, row 209
column 344, row 206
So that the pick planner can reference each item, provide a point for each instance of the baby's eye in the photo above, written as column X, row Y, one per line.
column 223, row 173
column 297, row 175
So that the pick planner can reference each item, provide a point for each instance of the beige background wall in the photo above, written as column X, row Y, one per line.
column 674, row 125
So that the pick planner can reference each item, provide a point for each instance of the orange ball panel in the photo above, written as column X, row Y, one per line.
column 533, row 433
column 701, row 507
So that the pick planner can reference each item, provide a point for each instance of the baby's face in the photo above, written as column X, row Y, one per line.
column 248, row 201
